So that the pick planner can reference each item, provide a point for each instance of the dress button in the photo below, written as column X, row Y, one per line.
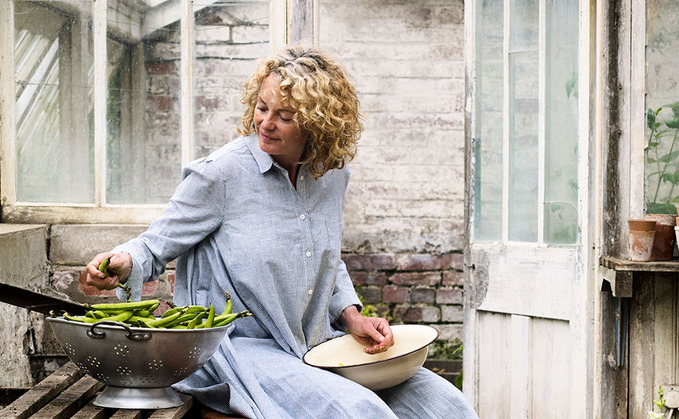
column 310, row 292
column 308, row 254
column 302, row 216
column 301, row 177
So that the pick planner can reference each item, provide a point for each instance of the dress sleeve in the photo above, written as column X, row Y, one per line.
column 195, row 210
column 343, row 296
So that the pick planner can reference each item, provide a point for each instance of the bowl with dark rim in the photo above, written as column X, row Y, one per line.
column 345, row 356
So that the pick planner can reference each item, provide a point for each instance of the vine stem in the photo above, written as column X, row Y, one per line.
column 661, row 175
column 674, row 140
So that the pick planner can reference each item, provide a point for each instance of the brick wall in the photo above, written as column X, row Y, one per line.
column 407, row 59
column 412, row 288
column 403, row 234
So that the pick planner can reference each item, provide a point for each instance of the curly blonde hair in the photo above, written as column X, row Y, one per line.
column 324, row 100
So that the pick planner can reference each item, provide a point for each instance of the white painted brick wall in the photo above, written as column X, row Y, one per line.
column 407, row 60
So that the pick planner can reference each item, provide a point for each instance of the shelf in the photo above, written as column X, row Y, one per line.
column 620, row 272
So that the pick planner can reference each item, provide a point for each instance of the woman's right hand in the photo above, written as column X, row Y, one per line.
column 119, row 269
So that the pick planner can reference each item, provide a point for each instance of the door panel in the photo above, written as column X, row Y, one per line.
column 525, row 280
column 524, row 366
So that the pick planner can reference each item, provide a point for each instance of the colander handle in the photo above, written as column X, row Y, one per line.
column 136, row 336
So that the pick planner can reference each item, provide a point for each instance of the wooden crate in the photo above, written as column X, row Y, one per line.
column 68, row 394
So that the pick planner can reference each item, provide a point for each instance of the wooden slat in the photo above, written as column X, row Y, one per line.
column 90, row 411
column 128, row 414
column 626, row 265
column 69, row 401
column 176, row 412
column 37, row 397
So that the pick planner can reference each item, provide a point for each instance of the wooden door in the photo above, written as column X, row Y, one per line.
column 528, row 152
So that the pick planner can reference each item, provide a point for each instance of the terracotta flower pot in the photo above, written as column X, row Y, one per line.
column 641, row 236
column 665, row 238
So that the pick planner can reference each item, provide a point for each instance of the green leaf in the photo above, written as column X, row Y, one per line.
column 660, row 208
column 650, row 118
column 673, row 178
column 572, row 85
column 675, row 108
column 668, row 157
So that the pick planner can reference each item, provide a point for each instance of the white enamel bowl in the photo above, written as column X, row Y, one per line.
column 345, row 356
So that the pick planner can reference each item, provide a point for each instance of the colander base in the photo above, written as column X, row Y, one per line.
column 138, row 398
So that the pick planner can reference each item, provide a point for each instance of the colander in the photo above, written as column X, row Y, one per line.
column 138, row 365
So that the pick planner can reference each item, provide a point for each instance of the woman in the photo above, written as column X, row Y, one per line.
column 261, row 219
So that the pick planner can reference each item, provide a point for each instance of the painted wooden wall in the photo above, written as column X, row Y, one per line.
column 649, row 333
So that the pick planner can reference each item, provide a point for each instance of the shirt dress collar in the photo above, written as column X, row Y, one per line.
column 264, row 160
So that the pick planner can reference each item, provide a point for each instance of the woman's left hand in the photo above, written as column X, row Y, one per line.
column 374, row 332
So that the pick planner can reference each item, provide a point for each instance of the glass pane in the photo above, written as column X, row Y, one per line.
column 53, row 97
column 121, row 176
column 488, row 133
column 561, row 141
column 523, row 120
column 144, row 117
column 230, row 37
column 662, row 103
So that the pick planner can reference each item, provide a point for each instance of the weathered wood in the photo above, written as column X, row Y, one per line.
column 653, row 337
column 611, row 391
column 69, row 394
column 302, row 21
column 69, row 401
column 7, row 103
column 37, row 397
column 494, row 359
column 551, row 365
column 187, row 34
column 620, row 281
column 642, row 346
column 527, row 280
column 520, row 368
column 626, row 265
column 128, row 414
column 90, row 412
column 176, row 412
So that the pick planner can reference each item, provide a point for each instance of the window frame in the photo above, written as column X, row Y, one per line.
column 15, row 211
column 100, row 211
column 504, row 236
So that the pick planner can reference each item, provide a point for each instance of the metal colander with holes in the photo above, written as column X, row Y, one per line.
column 138, row 365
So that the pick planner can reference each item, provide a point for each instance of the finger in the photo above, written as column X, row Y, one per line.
column 381, row 331
column 378, row 348
column 91, row 269
column 388, row 339
column 99, row 259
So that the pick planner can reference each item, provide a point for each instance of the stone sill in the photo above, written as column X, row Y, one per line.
column 13, row 228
